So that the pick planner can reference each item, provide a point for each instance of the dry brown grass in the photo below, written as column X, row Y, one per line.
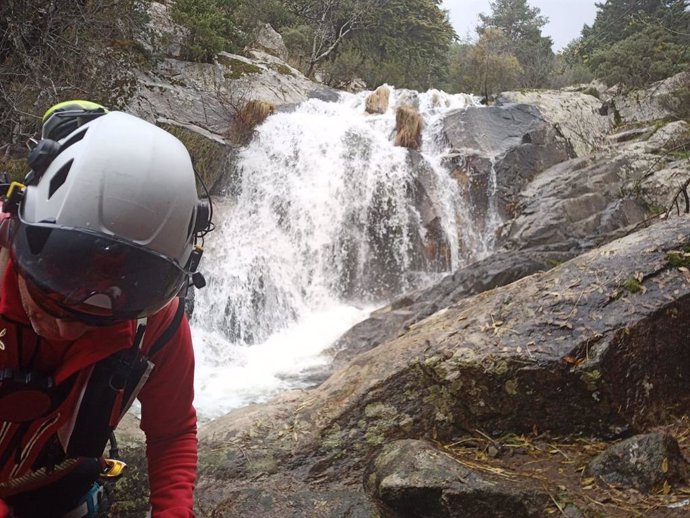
column 408, row 127
column 378, row 101
column 248, row 117
column 557, row 466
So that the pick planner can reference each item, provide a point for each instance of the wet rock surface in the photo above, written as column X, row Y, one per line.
column 395, row 319
column 574, row 203
column 643, row 462
column 577, row 115
column 510, row 144
column 416, row 480
column 572, row 350
column 559, row 334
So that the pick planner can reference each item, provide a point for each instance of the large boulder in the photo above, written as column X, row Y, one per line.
column 162, row 35
column 395, row 319
column 576, row 202
column 208, row 94
column 416, row 480
column 269, row 41
column 494, row 153
column 596, row 345
column 377, row 101
column 653, row 165
column 650, row 103
column 672, row 137
column 577, row 115
column 644, row 462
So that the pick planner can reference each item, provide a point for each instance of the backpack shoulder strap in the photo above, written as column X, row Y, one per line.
column 170, row 331
column 4, row 259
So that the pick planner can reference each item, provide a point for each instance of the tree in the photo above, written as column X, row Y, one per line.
column 331, row 22
column 459, row 78
column 51, row 51
column 493, row 64
column 635, row 42
column 403, row 42
column 568, row 68
column 522, row 25
column 406, row 43
column 648, row 56
column 518, row 21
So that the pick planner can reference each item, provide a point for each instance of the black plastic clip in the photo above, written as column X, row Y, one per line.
column 14, row 196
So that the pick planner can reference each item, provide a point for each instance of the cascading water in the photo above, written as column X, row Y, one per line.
column 331, row 220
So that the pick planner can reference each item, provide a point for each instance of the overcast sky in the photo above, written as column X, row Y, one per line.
column 566, row 17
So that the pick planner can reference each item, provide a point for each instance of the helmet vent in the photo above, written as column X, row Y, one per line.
column 59, row 178
column 74, row 139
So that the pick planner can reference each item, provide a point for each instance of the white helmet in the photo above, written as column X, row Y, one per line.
column 114, row 205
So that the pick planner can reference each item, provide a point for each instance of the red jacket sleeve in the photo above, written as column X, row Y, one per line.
column 168, row 419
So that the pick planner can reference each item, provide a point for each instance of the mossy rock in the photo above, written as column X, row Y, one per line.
column 282, row 69
column 238, row 68
column 209, row 156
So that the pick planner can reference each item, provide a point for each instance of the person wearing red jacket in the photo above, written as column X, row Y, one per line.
column 102, row 240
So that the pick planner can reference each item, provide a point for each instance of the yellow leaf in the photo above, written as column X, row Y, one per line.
column 666, row 489
column 664, row 465
column 587, row 483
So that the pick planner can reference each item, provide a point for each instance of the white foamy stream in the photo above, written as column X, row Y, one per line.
column 324, row 196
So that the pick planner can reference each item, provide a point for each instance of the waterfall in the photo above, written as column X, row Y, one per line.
column 330, row 221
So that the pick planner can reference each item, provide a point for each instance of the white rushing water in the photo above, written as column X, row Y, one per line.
column 322, row 232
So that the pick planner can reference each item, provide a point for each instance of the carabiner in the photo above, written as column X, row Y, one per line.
column 113, row 468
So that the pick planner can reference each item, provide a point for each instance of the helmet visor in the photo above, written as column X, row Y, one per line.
column 97, row 279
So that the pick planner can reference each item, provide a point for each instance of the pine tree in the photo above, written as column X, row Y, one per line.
column 522, row 25
column 635, row 42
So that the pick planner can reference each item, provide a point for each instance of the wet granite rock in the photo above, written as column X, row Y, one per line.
column 643, row 462
column 596, row 345
column 413, row 479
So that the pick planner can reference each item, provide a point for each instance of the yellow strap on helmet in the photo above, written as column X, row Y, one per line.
column 76, row 104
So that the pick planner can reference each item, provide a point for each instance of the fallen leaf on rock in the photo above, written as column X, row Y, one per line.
column 589, row 481
column 572, row 360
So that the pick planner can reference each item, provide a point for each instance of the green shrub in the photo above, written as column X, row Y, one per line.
column 632, row 285
column 79, row 50
column 211, row 28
